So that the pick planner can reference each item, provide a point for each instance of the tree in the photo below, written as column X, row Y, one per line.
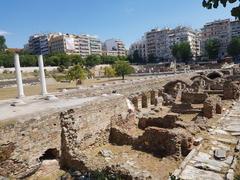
column 182, row 52
column 109, row 72
column 123, row 68
column 136, row 58
column 234, row 48
column 209, row 4
column 212, row 48
column 77, row 73
column 76, row 59
column 152, row 58
column 109, row 59
column 93, row 60
column 2, row 44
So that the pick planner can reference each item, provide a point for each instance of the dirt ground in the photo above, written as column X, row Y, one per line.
column 53, row 86
column 134, row 160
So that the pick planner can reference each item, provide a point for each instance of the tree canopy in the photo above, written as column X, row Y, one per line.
column 3, row 45
column 109, row 72
column 58, row 59
column 209, row 4
column 123, row 68
column 234, row 47
column 182, row 52
column 212, row 47
column 77, row 73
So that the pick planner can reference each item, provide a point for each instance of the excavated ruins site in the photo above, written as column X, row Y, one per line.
column 186, row 125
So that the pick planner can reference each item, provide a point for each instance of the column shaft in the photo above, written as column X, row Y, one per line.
column 42, row 75
column 18, row 76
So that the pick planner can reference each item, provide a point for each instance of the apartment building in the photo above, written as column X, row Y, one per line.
column 235, row 28
column 140, row 47
column 114, row 47
column 38, row 44
column 160, row 41
column 186, row 34
column 65, row 43
column 83, row 45
column 95, row 46
column 220, row 30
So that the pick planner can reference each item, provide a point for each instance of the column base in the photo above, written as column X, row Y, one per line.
column 18, row 102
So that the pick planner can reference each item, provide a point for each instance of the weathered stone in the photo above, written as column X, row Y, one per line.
column 106, row 153
column 230, row 175
column 197, row 141
column 231, row 90
column 193, row 98
column 165, row 142
column 167, row 121
column 220, row 154
column 219, row 108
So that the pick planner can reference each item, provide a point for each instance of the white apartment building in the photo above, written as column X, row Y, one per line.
column 95, row 45
column 39, row 43
column 186, row 34
column 114, row 47
column 65, row 43
column 160, row 41
column 83, row 45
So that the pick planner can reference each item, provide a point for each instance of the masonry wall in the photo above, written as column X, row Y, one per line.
column 89, row 127
column 23, row 142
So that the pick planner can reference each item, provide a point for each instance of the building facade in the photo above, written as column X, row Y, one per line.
column 115, row 47
column 223, row 31
column 186, row 34
column 235, row 28
column 38, row 44
column 220, row 30
column 95, row 46
column 140, row 48
column 83, row 45
column 158, row 43
column 64, row 43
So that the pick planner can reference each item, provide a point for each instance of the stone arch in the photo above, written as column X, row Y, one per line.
column 173, row 87
column 51, row 153
column 201, row 77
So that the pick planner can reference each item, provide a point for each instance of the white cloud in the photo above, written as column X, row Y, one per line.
column 3, row 33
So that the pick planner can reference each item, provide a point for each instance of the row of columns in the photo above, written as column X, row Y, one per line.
column 19, row 76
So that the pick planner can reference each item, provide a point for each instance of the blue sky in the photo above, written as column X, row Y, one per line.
column 124, row 19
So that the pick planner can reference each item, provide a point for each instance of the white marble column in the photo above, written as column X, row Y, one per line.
column 18, row 76
column 42, row 76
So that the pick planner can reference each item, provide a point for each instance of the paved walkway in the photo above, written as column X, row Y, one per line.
column 214, row 159
column 30, row 106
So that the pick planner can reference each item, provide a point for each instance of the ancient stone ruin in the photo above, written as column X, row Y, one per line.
column 140, row 129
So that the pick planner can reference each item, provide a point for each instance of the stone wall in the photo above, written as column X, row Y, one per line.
column 231, row 90
column 193, row 98
column 89, row 127
column 23, row 143
column 66, row 133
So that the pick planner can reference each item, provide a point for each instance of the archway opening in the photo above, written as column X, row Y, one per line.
column 50, row 154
